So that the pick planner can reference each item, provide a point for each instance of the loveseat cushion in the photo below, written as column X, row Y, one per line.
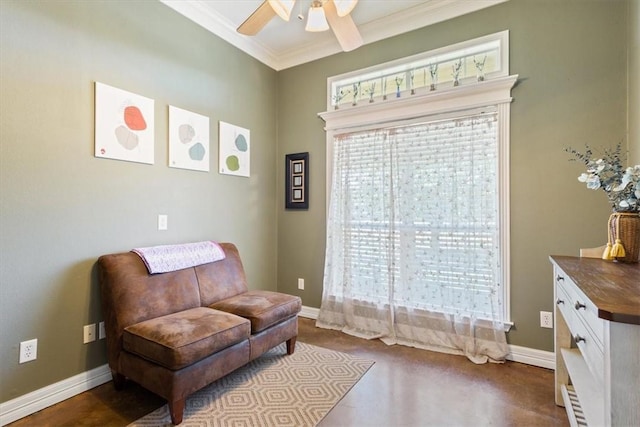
column 262, row 308
column 222, row 279
column 183, row 338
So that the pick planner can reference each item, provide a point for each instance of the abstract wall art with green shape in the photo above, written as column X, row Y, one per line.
column 235, row 150
column 188, row 140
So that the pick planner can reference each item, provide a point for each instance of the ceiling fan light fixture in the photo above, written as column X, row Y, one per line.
column 316, row 20
column 282, row 7
column 344, row 7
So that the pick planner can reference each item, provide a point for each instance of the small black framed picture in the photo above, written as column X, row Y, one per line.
column 297, row 181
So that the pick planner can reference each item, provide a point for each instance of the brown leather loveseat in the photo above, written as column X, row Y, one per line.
column 176, row 332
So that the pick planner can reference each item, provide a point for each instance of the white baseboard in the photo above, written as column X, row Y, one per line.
column 35, row 401
column 532, row 356
column 309, row 312
column 529, row 356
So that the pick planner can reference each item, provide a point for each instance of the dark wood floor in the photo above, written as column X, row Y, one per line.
column 405, row 387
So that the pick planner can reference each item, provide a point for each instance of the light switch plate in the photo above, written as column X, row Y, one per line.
column 89, row 333
column 163, row 221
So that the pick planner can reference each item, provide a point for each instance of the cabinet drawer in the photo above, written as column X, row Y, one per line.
column 563, row 301
column 584, row 338
column 582, row 307
column 591, row 351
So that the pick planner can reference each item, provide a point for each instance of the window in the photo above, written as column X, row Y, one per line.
column 478, row 59
column 440, row 243
column 422, row 213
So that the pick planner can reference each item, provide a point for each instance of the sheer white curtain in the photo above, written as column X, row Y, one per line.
column 412, row 254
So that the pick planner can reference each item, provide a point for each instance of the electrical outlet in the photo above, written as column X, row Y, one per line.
column 102, row 333
column 546, row 319
column 89, row 333
column 301, row 284
column 28, row 350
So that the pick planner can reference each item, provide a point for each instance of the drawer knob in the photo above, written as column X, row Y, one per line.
column 559, row 301
column 559, row 278
column 580, row 305
column 578, row 338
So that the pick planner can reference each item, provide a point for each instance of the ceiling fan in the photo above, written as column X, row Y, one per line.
column 323, row 14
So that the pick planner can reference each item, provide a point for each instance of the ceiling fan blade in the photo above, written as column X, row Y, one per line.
column 258, row 19
column 344, row 28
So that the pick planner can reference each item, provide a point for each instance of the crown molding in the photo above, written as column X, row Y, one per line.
column 408, row 20
column 421, row 16
column 198, row 12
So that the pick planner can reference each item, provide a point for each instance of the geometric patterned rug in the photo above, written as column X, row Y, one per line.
column 272, row 390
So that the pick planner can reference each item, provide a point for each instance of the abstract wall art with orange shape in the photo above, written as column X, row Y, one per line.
column 123, row 125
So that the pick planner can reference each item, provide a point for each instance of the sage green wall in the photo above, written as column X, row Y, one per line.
column 571, row 59
column 60, row 207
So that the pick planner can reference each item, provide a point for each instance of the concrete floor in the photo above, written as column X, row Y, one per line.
column 405, row 387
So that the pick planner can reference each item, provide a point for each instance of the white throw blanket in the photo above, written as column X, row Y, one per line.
column 161, row 259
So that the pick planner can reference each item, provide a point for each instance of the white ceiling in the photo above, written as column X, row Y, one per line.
column 283, row 44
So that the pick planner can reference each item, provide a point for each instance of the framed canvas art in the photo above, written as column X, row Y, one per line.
column 188, row 140
column 123, row 125
column 235, row 150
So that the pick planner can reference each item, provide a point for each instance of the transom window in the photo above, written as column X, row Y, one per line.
column 463, row 63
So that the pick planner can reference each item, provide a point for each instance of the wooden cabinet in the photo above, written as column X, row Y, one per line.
column 597, row 341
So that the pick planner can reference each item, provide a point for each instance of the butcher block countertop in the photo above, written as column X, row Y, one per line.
column 613, row 287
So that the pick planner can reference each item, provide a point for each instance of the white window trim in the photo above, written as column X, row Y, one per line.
column 494, row 93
